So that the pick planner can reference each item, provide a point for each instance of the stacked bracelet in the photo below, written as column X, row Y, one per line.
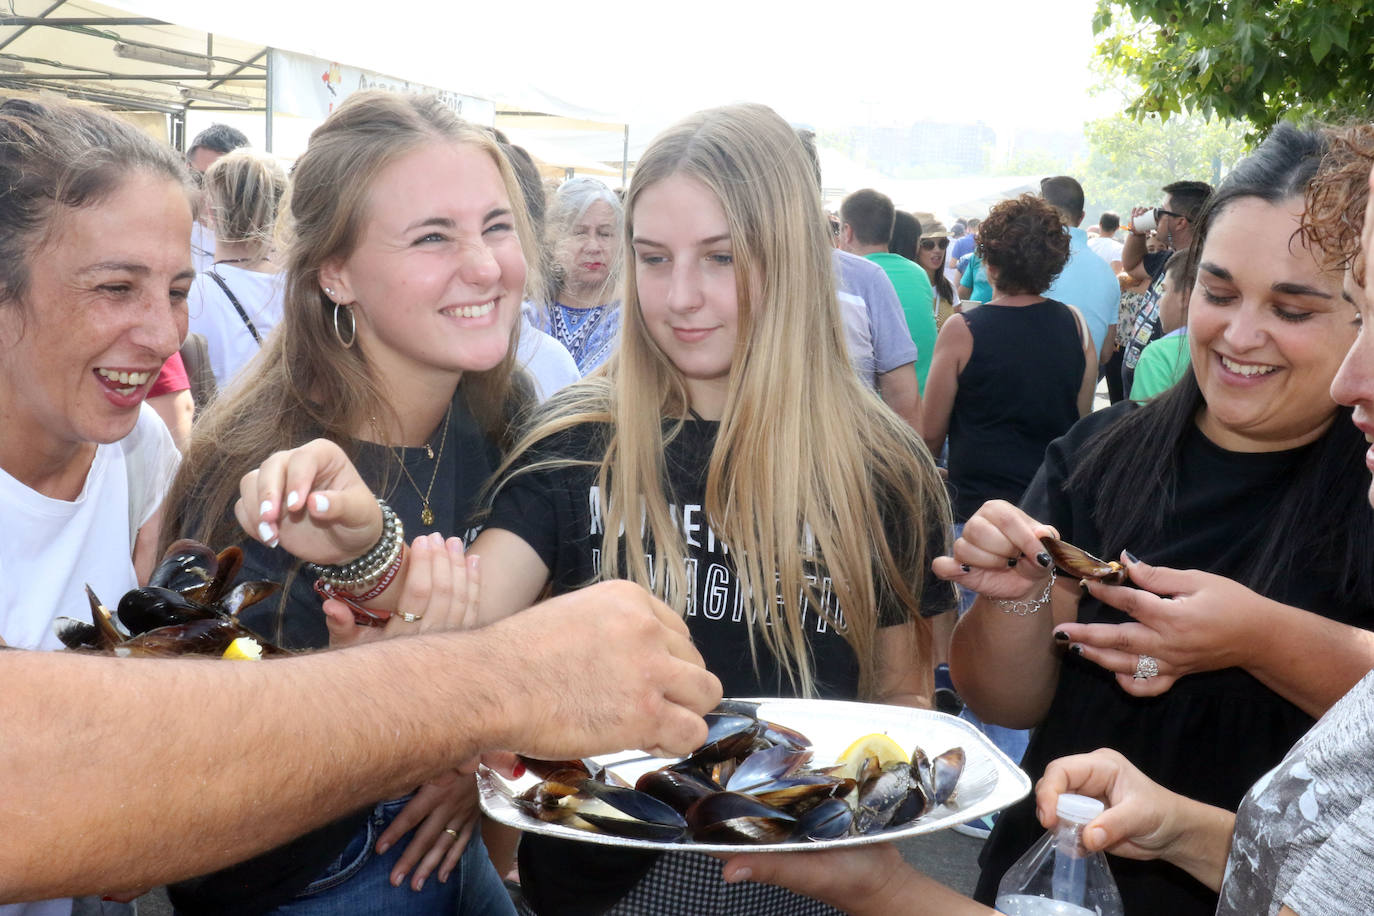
column 1025, row 608
column 363, row 575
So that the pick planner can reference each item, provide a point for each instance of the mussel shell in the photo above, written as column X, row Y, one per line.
column 803, row 791
column 545, row 768
column 916, row 803
column 247, row 594
column 77, row 634
column 634, row 803
column 945, row 771
column 727, row 737
column 1082, row 565
column 107, row 634
column 829, row 820
column 735, row 818
column 633, row 828
column 197, row 637
column 767, row 766
column 880, row 796
column 150, row 607
column 186, row 565
column 675, row 788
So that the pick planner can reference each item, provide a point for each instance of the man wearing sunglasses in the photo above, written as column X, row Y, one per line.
column 1174, row 226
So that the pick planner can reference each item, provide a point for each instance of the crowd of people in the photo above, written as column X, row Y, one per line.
column 523, row 456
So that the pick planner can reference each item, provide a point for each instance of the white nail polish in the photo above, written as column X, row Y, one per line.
column 265, row 508
column 265, row 532
column 321, row 503
column 292, row 499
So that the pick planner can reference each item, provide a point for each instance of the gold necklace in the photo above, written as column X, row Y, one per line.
column 426, row 513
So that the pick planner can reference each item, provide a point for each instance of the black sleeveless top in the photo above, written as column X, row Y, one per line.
column 1018, row 393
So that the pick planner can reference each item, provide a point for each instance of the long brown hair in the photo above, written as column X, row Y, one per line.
column 805, row 454
column 305, row 384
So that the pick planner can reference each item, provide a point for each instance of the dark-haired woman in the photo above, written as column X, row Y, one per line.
column 1246, row 470
column 94, row 267
column 930, row 254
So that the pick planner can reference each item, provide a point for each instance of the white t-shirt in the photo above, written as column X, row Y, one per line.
column 858, row 335
column 548, row 362
column 228, row 339
column 202, row 246
column 56, row 548
column 1108, row 249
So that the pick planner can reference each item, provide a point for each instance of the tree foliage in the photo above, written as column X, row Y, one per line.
column 1129, row 161
column 1254, row 60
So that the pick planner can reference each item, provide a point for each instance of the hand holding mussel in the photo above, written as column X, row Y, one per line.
column 1076, row 562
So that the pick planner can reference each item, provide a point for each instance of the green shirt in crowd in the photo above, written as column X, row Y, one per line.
column 918, row 304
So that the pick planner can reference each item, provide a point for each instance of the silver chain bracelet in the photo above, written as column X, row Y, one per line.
column 1026, row 608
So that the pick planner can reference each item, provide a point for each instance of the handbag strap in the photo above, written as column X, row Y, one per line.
column 234, row 300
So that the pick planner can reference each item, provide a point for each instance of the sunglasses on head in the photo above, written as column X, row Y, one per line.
column 932, row 244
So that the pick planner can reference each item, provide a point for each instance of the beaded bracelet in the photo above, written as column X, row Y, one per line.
column 1025, row 608
column 361, row 575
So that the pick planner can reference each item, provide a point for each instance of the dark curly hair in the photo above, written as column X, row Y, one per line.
column 1023, row 239
column 1333, row 219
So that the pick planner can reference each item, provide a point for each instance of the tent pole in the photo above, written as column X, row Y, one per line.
column 625, row 159
column 268, row 101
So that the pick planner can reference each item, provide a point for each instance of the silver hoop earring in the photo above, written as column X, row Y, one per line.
column 352, row 326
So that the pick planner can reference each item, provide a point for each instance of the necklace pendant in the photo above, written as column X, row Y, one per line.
column 429, row 452
column 426, row 515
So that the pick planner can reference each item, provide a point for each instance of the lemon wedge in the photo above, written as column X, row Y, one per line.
column 244, row 648
column 874, row 745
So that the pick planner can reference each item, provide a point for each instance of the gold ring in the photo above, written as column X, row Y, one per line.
column 451, row 832
column 408, row 618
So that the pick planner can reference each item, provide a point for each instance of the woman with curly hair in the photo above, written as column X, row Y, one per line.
column 1030, row 375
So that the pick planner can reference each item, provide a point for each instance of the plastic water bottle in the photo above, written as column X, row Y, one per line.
column 1058, row 877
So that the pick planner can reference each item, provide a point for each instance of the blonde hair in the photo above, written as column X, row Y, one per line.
column 245, row 188
column 805, row 454
column 306, row 384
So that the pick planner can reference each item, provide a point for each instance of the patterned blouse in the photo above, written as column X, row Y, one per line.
column 589, row 334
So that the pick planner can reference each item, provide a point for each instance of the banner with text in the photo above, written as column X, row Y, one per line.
column 310, row 87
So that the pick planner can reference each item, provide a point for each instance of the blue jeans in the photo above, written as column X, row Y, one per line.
column 359, row 880
column 1010, row 741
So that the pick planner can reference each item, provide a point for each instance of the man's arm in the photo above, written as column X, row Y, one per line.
column 901, row 392
column 145, row 771
column 1133, row 250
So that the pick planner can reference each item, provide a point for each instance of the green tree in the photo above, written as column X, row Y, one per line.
column 1254, row 60
column 1129, row 161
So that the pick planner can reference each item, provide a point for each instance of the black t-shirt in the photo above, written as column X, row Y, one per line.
column 555, row 512
column 1212, row 734
column 295, row 621
column 1018, row 392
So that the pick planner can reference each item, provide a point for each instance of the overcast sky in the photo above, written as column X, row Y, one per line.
column 1007, row 62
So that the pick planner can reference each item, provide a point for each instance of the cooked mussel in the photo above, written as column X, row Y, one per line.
column 197, row 637
column 1080, row 564
column 631, row 813
column 676, row 788
column 831, row 819
column 735, row 818
column 150, row 607
column 767, row 766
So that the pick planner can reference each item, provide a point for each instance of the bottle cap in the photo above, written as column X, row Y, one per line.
column 1078, row 808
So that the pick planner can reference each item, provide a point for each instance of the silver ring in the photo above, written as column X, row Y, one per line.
column 408, row 618
column 1146, row 666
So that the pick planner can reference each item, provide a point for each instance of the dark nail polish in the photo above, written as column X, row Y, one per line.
column 1013, row 561
column 1061, row 636
column 1076, row 649
column 1130, row 557
column 1043, row 559
column 964, row 567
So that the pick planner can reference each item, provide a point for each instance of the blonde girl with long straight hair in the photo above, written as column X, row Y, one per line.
column 731, row 461
column 404, row 278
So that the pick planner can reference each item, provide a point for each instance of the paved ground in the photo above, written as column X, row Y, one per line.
column 946, row 856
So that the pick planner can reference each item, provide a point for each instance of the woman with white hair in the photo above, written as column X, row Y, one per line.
column 583, row 311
